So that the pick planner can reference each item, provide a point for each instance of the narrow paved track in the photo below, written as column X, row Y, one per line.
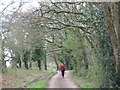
column 58, row 82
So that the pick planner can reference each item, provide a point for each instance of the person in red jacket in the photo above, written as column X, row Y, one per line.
column 62, row 68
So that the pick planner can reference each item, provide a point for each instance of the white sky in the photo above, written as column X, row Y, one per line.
column 27, row 4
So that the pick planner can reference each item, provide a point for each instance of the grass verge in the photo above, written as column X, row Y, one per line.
column 39, row 84
column 15, row 77
column 84, row 82
column 43, row 82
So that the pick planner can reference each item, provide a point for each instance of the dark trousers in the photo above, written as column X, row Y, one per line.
column 62, row 72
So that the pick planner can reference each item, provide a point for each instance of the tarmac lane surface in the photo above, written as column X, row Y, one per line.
column 57, row 81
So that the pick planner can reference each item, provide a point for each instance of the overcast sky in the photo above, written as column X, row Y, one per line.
column 27, row 4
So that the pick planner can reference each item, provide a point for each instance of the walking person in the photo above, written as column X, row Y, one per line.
column 62, row 68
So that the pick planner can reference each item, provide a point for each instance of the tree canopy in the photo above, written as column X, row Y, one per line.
column 83, row 35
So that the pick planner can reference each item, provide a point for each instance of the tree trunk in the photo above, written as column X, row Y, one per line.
column 119, row 37
column 39, row 64
column 113, row 30
column 26, row 60
column 20, row 63
column 118, row 63
column 2, row 57
column 30, row 64
column 84, row 55
column 45, row 63
column 57, row 66
column 3, row 64
column 30, row 61
column 26, row 64
column 75, row 65
column 82, row 48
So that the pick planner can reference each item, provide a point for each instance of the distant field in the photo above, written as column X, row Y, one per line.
column 16, row 77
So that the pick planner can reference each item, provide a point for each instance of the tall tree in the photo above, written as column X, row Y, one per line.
column 111, row 12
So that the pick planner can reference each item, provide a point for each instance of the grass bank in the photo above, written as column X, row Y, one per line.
column 42, row 83
column 86, row 81
column 39, row 84
column 15, row 77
